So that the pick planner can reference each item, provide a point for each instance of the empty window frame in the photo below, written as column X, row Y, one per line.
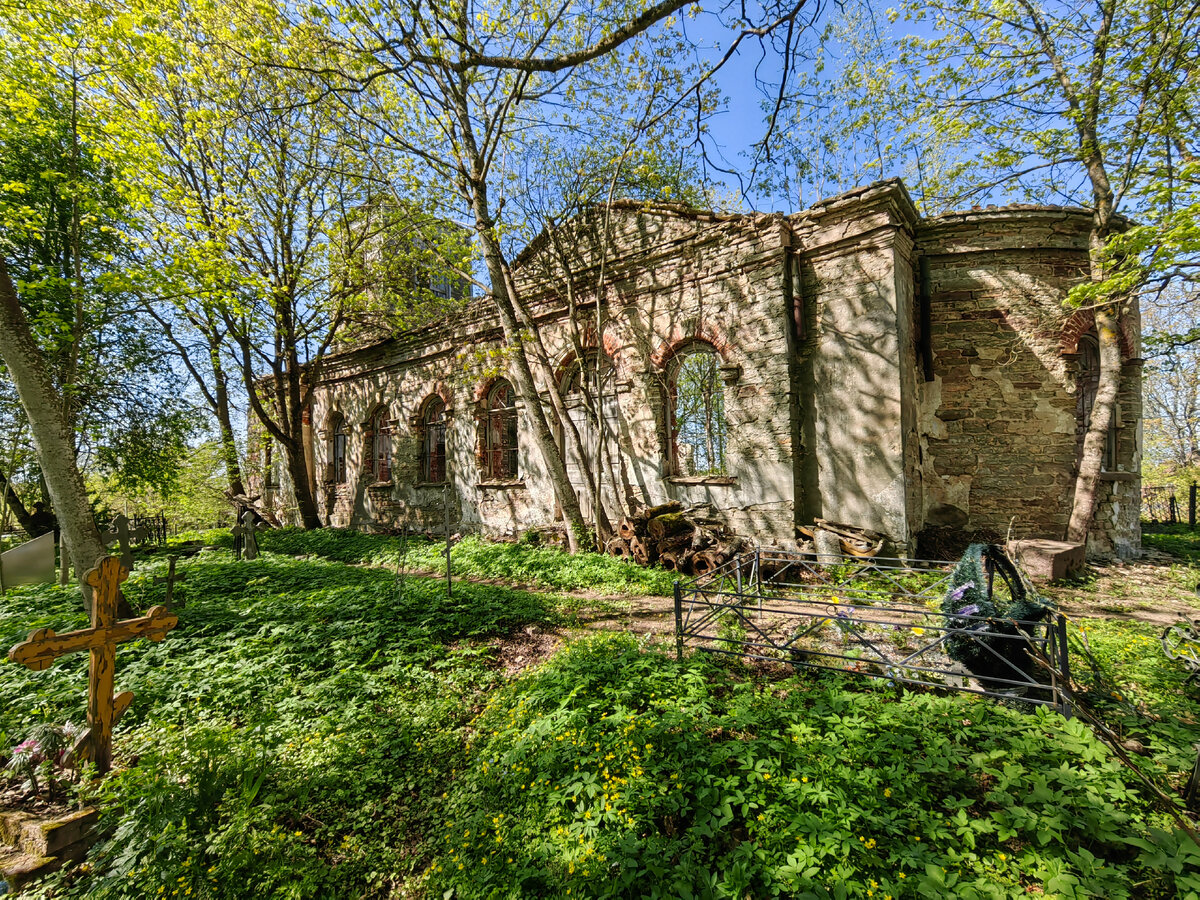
column 500, row 433
column 696, row 410
column 378, row 445
column 1088, row 386
column 433, row 445
column 337, row 450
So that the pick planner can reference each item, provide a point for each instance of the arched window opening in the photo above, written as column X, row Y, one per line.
column 338, row 439
column 589, row 378
column 1085, row 394
column 500, row 433
column 433, row 448
column 697, row 413
column 378, row 445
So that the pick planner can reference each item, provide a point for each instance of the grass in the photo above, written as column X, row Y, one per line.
column 1178, row 540
column 319, row 728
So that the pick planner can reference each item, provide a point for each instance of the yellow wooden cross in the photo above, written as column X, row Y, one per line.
column 43, row 647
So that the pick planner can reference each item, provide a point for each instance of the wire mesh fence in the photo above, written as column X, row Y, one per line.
column 877, row 618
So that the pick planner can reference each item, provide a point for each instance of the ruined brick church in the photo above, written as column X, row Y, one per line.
column 853, row 362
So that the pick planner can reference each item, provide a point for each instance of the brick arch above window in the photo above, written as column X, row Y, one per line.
column 568, row 365
column 441, row 394
column 689, row 333
column 589, row 345
column 1083, row 322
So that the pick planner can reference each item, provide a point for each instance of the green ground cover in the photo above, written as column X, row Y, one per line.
column 517, row 563
column 318, row 729
column 1178, row 540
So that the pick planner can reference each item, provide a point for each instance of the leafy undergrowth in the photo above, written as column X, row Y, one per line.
column 313, row 729
column 617, row 773
column 519, row 563
column 1140, row 694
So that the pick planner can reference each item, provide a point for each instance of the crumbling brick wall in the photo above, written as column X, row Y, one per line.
column 1000, row 417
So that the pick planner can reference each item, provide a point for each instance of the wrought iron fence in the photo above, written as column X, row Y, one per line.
column 155, row 527
column 1159, row 504
column 878, row 618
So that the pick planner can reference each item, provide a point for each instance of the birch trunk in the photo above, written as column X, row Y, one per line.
column 52, row 436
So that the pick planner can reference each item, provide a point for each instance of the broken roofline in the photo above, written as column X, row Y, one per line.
column 885, row 191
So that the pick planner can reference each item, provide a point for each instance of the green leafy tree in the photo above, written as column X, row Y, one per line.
column 83, row 368
column 253, row 219
column 463, row 91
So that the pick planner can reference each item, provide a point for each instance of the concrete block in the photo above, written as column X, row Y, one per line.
column 1046, row 560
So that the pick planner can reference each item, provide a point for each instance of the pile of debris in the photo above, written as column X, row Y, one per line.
column 689, row 541
column 826, row 538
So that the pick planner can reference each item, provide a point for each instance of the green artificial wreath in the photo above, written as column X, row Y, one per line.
column 982, row 629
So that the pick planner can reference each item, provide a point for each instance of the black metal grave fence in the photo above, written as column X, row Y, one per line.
column 877, row 618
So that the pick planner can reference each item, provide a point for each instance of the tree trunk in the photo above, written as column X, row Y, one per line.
column 1091, row 460
column 23, row 516
column 523, row 380
column 1108, row 324
column 229, row 454
column 306, row 503
column 51, row 435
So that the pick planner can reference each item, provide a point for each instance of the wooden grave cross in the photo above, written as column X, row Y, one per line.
column 171, row 579
column 246, row 531
column 43, row 647
column 121, row 534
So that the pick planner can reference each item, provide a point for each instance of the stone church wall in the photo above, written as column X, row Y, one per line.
column 877, row 370
column 856, row 359
column 672, row 286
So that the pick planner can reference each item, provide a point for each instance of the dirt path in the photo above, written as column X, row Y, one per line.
column 1158, row 591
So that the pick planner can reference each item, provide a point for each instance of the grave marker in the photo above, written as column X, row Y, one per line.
column 120, row 533
column 247, row 531
column 43, row 647
column 171, row 579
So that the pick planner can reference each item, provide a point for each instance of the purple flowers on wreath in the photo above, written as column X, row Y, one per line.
column 958, row 592
column 971, row 610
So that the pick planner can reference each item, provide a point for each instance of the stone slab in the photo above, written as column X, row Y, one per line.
column 1046, row 560
column 41, row 846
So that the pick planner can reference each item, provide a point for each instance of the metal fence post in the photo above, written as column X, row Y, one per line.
column 1192, row 506
column 1064, row 667
column 678, row 623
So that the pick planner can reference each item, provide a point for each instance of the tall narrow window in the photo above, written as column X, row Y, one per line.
column 1088, row 386
column 337, row 450
column 500, row 433
column 270, row 475
column 697, row 411
column 433, row 451
column 378, row 441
